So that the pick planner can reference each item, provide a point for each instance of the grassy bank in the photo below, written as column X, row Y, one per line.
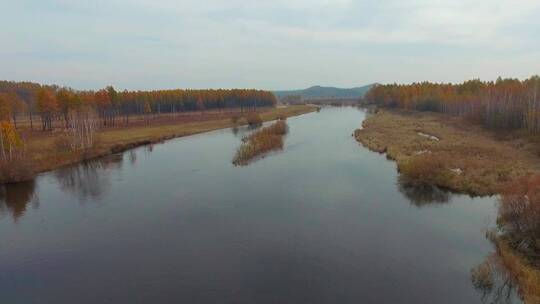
column 436, row 149
column 446, row 151
column 45, row 155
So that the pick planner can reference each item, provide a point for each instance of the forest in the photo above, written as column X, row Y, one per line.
column 501, row 104
column 30, row 112
column 53, row 103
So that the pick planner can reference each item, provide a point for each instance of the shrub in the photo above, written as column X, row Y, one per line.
column 520, row 271
column 426, row 169
column 254, row 119
column 517, row 242
column 63, row 143
column 265, row 140
column 505, row 272
column 280, row 127
column 69, row 142
column 519, row 216
column 482, row 276
column 17, row 169
column 235, row 118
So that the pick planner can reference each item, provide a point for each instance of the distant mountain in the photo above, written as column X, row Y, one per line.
column 318, row 92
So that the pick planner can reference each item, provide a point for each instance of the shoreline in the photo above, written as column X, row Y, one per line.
column 431, row 147
column 118, row 140
column 448, row 152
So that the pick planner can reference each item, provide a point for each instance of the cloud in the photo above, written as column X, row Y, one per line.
column 280, row 44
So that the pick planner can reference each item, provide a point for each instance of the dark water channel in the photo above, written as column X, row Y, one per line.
column 323, row 221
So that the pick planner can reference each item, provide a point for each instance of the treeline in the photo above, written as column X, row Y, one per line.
column 502, row 104
column 79, row 114
column 52, row 103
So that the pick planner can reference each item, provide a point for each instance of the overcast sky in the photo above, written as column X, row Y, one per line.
column 282, row 44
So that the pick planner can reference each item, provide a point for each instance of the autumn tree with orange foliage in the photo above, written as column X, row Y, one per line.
column 147, row 112
column 53, row 103
column 16, row 105
column 47, row 106
column 67, row 102
column 13, row 164
column 502, row 104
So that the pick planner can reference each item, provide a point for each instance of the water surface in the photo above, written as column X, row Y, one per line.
column 321, row 222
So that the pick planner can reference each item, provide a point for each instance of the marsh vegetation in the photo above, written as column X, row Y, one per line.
column 260, row 142
column 45, row 127
column 485, row 142
column 465, row 158
column 514, row 266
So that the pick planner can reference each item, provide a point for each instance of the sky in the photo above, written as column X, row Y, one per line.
column 281, row 44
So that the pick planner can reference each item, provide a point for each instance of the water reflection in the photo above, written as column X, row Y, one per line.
column 242, row 131
column 513, row 267
column 14, row 198
column 132, row 157
column 90, row 180
column 311, row 240
column 492, row 279
column 423, row 195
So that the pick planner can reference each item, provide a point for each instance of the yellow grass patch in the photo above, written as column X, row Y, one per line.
column 467, row 158
column 260, row 142
column 41, row 145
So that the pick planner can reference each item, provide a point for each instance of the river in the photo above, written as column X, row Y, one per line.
column 322, row 221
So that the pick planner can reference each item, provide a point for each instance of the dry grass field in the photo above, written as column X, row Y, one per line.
column 436, row 149
column 448, row 151
column 41, row 145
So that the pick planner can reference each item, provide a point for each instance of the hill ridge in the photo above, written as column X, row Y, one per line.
column 318, row 91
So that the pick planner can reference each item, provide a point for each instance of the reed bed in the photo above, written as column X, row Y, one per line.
column 261, row 142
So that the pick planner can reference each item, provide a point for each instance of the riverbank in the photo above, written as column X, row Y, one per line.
column 449, row 152
column 46, row 157
column 436, row 149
